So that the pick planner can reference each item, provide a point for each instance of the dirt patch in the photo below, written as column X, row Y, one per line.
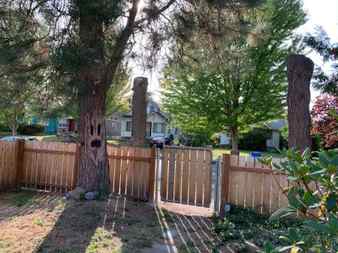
column 48, row 223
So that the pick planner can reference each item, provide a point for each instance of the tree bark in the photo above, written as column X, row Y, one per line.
column 14, row 130
column 300, row 70
column 93, row 171
column 139, row 111
column 234, row 141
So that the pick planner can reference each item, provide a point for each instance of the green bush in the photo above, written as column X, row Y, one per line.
column 244, row 224
column 196, row 140
column 30, row 129
column 313, row 193
column 4, row 128
column 254, row 139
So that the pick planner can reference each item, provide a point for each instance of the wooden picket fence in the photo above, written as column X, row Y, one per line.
column 48, row 166
column 132, row 171
column 8, row 165
column 186, row 176
column 248, row 183
column 52, row 166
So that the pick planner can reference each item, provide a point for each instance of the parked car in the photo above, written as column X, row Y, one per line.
column 15, row 138
column 159, row 142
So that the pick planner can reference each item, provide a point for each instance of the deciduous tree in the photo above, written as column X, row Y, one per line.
column 229, row 72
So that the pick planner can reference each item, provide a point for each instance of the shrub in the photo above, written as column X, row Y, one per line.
column 4, row 128
column 313, row 193
column 254, row 139
column 196, row 140
column 30, row 129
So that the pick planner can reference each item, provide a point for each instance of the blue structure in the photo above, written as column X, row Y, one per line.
column 256, row 154
column 35, row 120
column 52, row 126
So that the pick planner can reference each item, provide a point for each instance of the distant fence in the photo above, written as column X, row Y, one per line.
column 248, row 183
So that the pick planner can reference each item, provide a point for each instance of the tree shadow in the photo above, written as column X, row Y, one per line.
column 74, row 228
column 113, row 225
column 21, row 203
column 189, row 232
column 117, row 224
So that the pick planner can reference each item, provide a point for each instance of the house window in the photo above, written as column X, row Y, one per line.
column 159, row 128
column 128, row 126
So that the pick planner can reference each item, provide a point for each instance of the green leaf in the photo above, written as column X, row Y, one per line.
column 283, row 213
column 309, row 199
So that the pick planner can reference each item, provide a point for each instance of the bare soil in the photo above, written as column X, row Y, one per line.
column 41, row 222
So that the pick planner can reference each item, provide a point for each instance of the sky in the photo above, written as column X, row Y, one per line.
column 322, row 13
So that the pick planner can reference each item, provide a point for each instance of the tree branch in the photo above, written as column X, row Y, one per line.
column 155, row 14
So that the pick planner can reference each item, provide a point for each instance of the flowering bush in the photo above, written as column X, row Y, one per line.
column 325, row 119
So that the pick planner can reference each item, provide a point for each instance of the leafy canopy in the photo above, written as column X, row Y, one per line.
column 230, row 71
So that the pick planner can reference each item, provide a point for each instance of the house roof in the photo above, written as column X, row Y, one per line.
column 276, row 124
column 161, row 114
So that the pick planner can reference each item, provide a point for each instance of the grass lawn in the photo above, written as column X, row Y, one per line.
column 216, row 152
column 47, row 223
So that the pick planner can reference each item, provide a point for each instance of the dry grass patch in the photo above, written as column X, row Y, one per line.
column 47, row 223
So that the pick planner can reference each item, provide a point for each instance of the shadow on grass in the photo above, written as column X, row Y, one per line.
column 119, row 225
column 114, row 225
column 21, row 203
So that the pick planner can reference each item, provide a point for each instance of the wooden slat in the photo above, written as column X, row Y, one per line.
column 200, row 177
column 192, row 174
column 185, row 176
column 164, row 176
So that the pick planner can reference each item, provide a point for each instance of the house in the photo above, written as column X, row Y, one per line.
column 274, row 142
column 120, row 124
column 61, row 126
column 275, row 126
column 67, row 125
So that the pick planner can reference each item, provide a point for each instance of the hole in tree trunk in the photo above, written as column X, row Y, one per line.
column 96, row 143
column 99, row 129
column 91, row 130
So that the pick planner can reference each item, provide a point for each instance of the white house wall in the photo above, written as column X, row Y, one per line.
column 124, row 133
column 153, row 118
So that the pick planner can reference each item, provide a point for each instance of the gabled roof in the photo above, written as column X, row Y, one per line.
column 161, row 114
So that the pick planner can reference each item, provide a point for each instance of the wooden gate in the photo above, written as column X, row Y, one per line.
column 186, row 176
column 132, row 171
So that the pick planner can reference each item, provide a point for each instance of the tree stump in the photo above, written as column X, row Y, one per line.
column 139, row 111
column 299, row 71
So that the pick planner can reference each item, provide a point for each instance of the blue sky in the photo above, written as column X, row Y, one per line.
column 322, row 13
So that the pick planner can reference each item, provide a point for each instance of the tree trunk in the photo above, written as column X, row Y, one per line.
column 234, row 141
column 93, row 174
column 14, row 130
column 300, row 70
column 93, row 171
column 139, row 111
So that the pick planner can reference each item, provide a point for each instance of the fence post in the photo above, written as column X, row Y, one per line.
column 20, row 149
column 76, row 166
column 225, row 181
column 152, row 178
